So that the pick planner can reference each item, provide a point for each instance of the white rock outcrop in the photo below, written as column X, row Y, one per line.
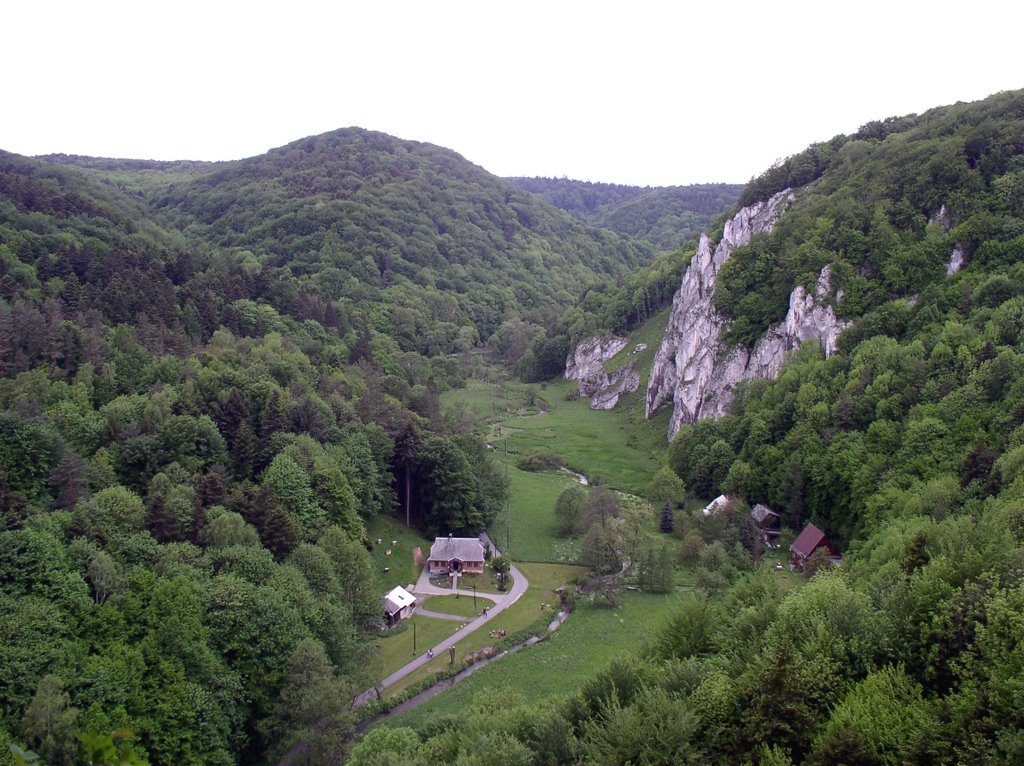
column 586, row 362
column 621, row 382
column 693, row 368
column 956, row 261
column 942, row 218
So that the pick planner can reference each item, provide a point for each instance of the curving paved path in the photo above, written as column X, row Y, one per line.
column 442, row 615
column 426, row 588
column 423, row 586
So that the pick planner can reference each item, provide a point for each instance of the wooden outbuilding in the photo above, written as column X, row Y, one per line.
column 767, row 522
column 807, row 542
column 399, row 604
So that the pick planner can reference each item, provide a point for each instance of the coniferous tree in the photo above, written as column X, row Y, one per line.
column 161, row 521
column 68, row 479
column 667, row 524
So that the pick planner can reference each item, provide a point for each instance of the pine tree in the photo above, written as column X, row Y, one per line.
column 161, row 522
column 245, row 451
column 667, row 518
column 279, row 532
column 273, row 420
column 407, row 445
column 233, row 412
column 68, row 480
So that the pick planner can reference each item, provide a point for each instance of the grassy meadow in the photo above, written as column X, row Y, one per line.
column 618, row 447
column 544, row 578
column 396, row 650
column 400, row 562
column 585, row 643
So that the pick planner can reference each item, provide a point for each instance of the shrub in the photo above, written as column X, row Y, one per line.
column 539, row 460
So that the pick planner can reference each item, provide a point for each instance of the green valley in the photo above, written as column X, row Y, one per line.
column 239, row 401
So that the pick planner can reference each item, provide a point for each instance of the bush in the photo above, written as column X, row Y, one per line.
column 539, row 460
column 568, row 509
column 691, row 548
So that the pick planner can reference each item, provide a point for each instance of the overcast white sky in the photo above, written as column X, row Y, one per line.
column 647, row 93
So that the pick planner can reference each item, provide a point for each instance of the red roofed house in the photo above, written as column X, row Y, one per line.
column 807, row 542
column 456, row 554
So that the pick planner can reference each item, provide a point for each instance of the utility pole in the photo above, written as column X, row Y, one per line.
column 414, row 638
column 508, row 497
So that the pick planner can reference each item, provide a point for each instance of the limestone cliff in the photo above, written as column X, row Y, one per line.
column 624, row 381
column 586, row 362
column 693, row 368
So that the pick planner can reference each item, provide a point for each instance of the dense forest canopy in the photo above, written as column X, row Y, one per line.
column 870, row 205
column 667, row 217
column 192, row 437
column 432, row 250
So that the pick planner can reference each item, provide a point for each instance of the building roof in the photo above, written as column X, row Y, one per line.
column 763, row 513
column 461, row 548
column 716, row 505
column 810, row 539
column 398, row 598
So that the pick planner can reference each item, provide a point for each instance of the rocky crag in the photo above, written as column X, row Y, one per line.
column 586, row 364
column 956, row 259
column 694, row 369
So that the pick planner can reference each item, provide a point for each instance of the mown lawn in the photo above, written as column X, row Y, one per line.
column 591, row 637
column 396, row 650
column 485, row 582
column 462, row 606
column 544, row 578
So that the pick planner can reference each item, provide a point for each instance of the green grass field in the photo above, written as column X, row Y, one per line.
column 463, row 606
column 544, row 578
column 403, row 571
column 620, row 448
column 396, row 650
column 528, row 533
column 591, row 637
column 599, row 444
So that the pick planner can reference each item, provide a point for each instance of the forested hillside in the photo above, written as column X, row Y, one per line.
column 667, row 217
column 906, row 446
column 429, row 249
column 191, row 442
